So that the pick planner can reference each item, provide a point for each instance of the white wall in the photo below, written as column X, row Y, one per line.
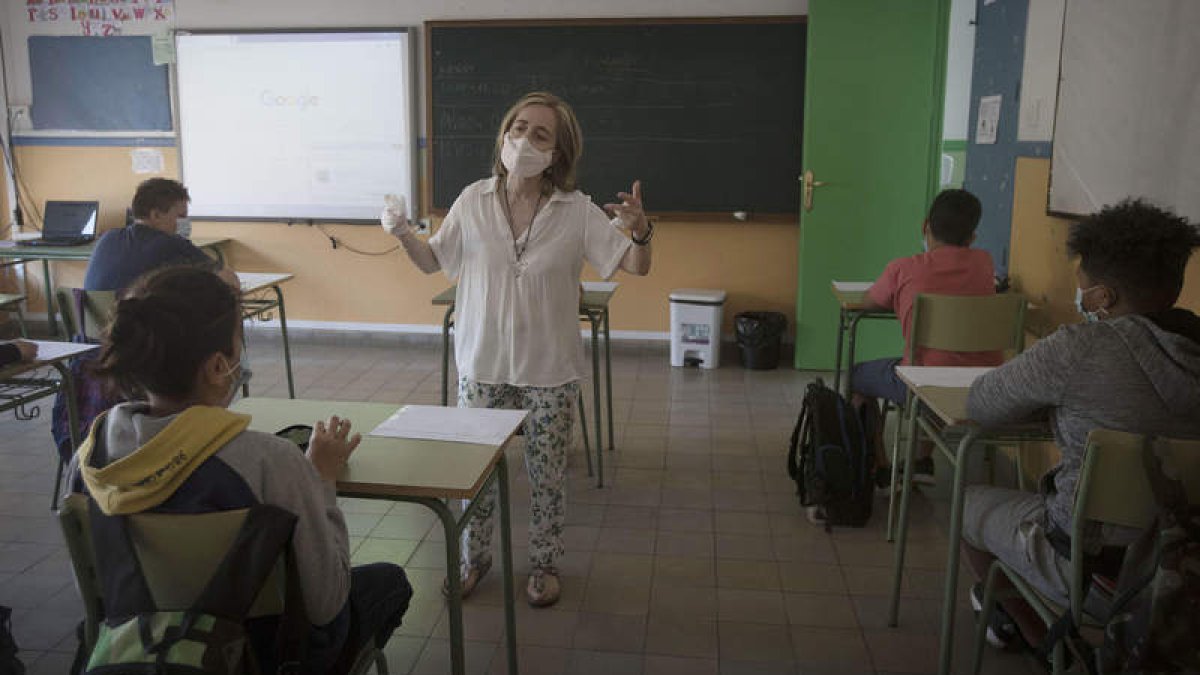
column 960, row 55
column 268, row 14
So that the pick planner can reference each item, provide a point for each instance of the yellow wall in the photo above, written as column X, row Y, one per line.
column 754, row 262
column 1040, row 267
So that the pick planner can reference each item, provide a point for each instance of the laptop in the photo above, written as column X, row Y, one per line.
column 68, row 224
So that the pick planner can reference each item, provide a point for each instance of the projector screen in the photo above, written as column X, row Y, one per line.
column 295, row 125
column 1128, row 119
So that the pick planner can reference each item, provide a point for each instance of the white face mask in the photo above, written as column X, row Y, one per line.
column 183, row 227
column 1088, row 316
column 234, row 373
column 522, row 159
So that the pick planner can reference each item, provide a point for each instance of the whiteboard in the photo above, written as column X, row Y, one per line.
column 295, row 125
column 1128, row 118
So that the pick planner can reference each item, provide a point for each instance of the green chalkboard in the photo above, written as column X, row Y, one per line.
column 707, row 113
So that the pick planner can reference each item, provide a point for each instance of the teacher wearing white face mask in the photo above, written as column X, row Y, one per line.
column 515, row 243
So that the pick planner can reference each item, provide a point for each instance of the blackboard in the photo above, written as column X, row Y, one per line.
column 86, row 83
column 707, row 113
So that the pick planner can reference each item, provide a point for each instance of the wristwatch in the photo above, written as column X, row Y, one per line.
column 644, row 240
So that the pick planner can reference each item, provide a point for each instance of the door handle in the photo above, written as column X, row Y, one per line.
column 809, row 184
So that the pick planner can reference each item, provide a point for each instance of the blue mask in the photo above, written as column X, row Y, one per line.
column 1088, row 316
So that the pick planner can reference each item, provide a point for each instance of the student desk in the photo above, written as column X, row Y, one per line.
column 593, row 306
column 21, row 384
column 418, row 471
column 851, row 297
column 258, row 306
column 22, row 254
column 12, row 303
column 940, row 412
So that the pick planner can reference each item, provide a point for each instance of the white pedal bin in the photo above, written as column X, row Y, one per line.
column 696, row 327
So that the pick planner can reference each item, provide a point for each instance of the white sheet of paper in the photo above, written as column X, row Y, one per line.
column 940, row 376
column 484, row 426
column 52, row 351
column 162, row 48
column 989, row 120
column 146, row 160
column 609, row 286
column 852, row 286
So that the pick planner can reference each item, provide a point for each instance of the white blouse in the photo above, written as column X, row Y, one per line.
column 518, row 322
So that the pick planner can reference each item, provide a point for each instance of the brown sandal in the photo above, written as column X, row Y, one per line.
column 470, row 574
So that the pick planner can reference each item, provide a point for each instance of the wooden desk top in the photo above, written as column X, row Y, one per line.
column 83, row 252
column 384, row 467
column 49, row 353
column 257, row 281
column 596, row 295
column 852, row 295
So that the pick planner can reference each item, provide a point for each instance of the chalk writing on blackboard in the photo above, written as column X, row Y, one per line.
column 101, row 18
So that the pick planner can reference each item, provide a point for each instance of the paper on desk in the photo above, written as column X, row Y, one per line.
column 940, row 376
column 484, row 426
column 53, row 351
column 852, row 286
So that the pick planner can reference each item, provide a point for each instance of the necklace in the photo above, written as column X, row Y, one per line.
column 520, row 243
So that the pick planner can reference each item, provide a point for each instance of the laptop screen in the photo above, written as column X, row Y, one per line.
column 70, row 219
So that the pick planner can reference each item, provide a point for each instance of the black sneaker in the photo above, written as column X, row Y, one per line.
column 1002, row 630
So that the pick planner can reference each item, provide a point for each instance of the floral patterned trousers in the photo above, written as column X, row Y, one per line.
column 548, row 435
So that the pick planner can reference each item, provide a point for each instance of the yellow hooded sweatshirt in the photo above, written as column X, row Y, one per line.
column 153, row 472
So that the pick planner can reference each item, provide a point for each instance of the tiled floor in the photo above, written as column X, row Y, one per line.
column 694, row 559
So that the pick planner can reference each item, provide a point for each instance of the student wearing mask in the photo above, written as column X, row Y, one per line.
column 515, row 243
column 174, row 348
column 1133, row 366
column 157, row 237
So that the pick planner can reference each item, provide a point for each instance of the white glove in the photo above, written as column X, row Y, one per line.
column 393, row 218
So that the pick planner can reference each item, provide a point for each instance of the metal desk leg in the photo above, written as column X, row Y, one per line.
column 510, row 614
column 446, row 323
column 608, row 376
column 51, row 314
column 857, row 316
column 458, row 664
column 287, row 349
column 594, row 320
column 67, row 387
column 587, row 445
column 946, row 648
column 837, row 360
column 905, row 495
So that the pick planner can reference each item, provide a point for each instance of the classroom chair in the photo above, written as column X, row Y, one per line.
column 957, row 323
column 12, row 303
column 1112, row 489
column 85, row 313
column 178, row 554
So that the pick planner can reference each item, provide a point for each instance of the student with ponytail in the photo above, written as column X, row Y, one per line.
column 174, row 348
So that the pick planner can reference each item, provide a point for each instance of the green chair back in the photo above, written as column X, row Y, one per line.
column 968, row 323
column 178, row 554
column 1113, row 489
column 98, row 307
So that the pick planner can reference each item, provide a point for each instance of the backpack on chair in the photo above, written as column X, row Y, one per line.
column 831, row 459
column 138, row 638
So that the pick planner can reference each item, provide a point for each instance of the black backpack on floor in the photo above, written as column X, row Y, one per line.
column 831, row 459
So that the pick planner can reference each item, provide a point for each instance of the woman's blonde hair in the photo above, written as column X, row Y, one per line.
column 568, row 142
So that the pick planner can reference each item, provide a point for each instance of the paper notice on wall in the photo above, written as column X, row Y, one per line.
column 147, row 160
column 101, row 18
column 162, row 46
column 989, row 120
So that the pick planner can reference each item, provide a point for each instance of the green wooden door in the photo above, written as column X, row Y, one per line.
column 872, row 127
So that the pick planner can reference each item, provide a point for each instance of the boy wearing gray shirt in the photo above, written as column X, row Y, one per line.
column 1133, row 365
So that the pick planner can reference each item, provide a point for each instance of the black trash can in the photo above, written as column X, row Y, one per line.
column 759, row 335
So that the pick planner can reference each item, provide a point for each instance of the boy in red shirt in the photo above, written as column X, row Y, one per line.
column 949, row 267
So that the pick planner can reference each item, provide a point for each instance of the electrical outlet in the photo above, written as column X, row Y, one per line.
column 19, row 118
column 423, row 226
